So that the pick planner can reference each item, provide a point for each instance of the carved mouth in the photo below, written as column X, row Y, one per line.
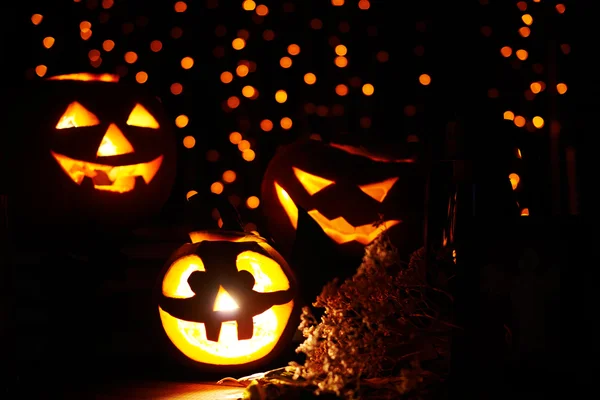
column 119, row 179
column 341, row 231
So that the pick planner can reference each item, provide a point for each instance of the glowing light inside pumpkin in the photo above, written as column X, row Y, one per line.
column 338, row 229
column 190, row 337
column 224, row 301
column 114, row 143
column 311, row 183
column 120, row 179
column 77, row 116
column 380, row 190
column 141, row 117
column 362, row 152
column 86, row 77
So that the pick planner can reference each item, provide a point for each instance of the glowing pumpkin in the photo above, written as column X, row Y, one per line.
column 346, row 190
column 227, row 300
column 95, row 150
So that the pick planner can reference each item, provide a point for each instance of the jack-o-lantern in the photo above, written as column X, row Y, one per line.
column 93, row 150
column 227, row 300
column 350, row 192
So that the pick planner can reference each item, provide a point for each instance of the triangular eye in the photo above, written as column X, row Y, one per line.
column 311, row 183
column 77, row 116
column 378, row 191
column 141, row 117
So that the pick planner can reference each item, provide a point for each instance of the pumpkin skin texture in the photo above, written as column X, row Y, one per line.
column 345, row 190
column 227, row 301
column 94, row 152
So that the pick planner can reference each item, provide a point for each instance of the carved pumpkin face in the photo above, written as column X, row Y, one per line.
column 345, row 190
column 103, row 150
column 227, row 299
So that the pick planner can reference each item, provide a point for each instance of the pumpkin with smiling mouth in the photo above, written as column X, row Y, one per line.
column 352, row 194
column 98, row 151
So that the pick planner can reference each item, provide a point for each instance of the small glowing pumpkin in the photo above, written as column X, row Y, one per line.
column 96, row 150
column 227, row 300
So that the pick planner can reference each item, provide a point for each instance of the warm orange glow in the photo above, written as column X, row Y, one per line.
column 293, row 49
column 217, row 187
column 337, row 2
column 189, row 142
column 187, row 62
column 229, row 176
column 224, row 301
column 522, row 54
column 243, row 145
column 424, row 79
column 519, row 155
column 108, row 45
column 141, row 77
column 180, row 6
column 286, row 123
column 41, row 70
column 181, row 121
column 285, row 62
column 238, row 43
column 341, row 231
column 522, row 5
column 233, row 102
column 527, row 19
column 176, row 88
column 248, row 5
column 561, row 88
column 368, row 89
column 248, row 155
column 252, row 202
column 48, row 42
column 290, row 208
column 114, row 143
column 362, row 152
column 266, row 125
column 514, row 180
column 281, row 96
column 341, row 89
column 509, row 115
column 519, row 121
column 77, row 116
column 190, row 194
column 36, row 19
column 226, row 77
column 248, row 91
column 139, row 116
column 85, row 26
column 535, row 87
column 560, row 8
column 341, row 50
column 156, row 46
column 538, row 122
column 86, row 77
column 310, row 78
column 341, row 61
column 242, row 70
column 311, row 183
column 379, row 191
column 262, row 10
column 506, row 51
column 235, row 137
column 131, row 57
column 190, row 337
column 525, row 212
column 119, row 179
column 364, row 4
column 524, row 31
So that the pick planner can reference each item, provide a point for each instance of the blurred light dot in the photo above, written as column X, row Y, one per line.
column 266, row 125
column 229, row 176
column 365, row 122
column 538, row 122
column 486, row 31
column 190, row 194
column 522, row 5
column 524, row 31
column 141, row 77
column 252, row 202
column 560, row 8
column 187, row 62
column 493, row 93
column 268, row 35
column 565, row 48
column 248, row 91
column 131, row 57
column 525, row 212
column 180, row 6
column 176, row 88
column 235, row 137
column 48, row 42
column 285, row 62
column 522, row 54
column 341, row 61
column 341, row 50
column 316, row 23
column 383, row 56
column 156, row 46
column 561, row 88
column 93, row 55
column 85, row 26
column 506, row 51
column 262, row 10
column 286, row 123
column 176, row 32
column 519, row 121
column 519, row 155
column 106, row 4
column 217, row 188
column 310, row 78
column 509, row 115
column 226, row 77
column 535, row 87
column 243, row 145
column 368, row 89
column 181, row 121
column 293, row 49
column 410, row 110
column 248, row 5
column 527, row 19
column 248, row 155
column 85, row 35
column 364, row 4
column 238, row 43
column 212, row 155
column 108, row 45
column 514, row 180
column 36, row 19
column 233, row 102
column 341, row 90
column 41, row 70
column 241, row 70
column 337, row 2
column 424, row 79
column 189, row 142
column 281, row 96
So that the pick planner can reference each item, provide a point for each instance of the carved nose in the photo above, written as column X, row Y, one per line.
column 114, row 143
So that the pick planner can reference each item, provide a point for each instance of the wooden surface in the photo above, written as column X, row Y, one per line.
column 170, row 391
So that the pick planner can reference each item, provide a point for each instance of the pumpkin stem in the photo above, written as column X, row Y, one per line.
column 202, row 205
